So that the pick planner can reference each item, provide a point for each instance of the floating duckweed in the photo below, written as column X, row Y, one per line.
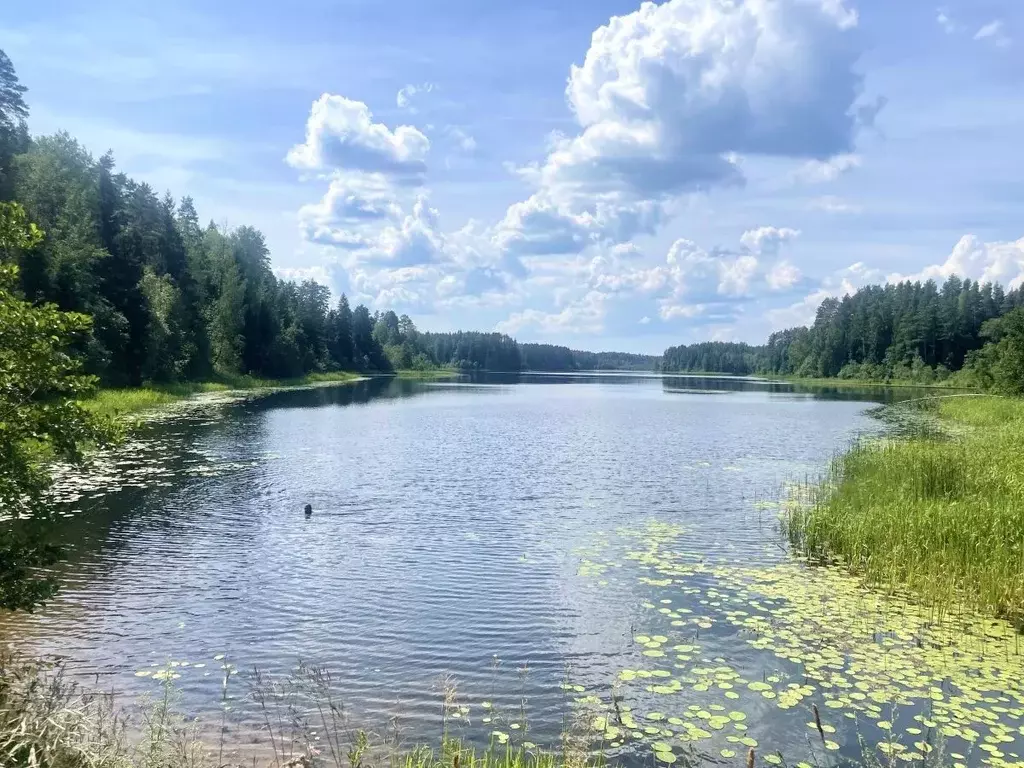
column 773, row 759
column 728, row 753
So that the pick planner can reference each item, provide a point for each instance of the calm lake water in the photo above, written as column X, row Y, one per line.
column 599, row 545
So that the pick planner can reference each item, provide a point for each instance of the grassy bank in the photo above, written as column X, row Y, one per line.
column 861, row 383
column 125, row 402
column 431, row 374
column 942, row 516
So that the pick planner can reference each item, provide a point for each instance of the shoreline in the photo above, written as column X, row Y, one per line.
column 123, row 402
column 930, row 513
column 872, row 383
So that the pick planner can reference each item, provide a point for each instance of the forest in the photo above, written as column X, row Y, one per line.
column 172, row 299
column 910, row 331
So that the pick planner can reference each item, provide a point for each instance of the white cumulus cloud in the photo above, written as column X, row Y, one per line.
column 342, row 136
column 768, row 240
column 782, row 275
column 670, row 95
column 821, row 171
column 580, row 317
column 995, row 262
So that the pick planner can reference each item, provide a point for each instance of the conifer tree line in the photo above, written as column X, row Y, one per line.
column 173, row 299
column 913, row 331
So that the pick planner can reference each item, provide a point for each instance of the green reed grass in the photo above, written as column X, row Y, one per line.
column 429, row 373
column 133, row 400
column 48, row 721
column 941, row 515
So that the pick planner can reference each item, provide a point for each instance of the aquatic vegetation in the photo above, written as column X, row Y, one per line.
column 869, row 665
column 943, row 517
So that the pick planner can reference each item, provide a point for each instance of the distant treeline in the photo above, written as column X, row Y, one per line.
column 547, row 357
column 910, row 330
column 174, row 300
column 405, row 347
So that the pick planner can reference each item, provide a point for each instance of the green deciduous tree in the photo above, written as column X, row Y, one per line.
column 40, row 420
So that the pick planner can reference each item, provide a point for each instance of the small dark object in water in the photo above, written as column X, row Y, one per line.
column 309, row 510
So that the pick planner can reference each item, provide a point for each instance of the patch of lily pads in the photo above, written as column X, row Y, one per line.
column 840, row 664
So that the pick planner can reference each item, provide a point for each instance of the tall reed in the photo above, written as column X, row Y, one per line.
column 941, row 515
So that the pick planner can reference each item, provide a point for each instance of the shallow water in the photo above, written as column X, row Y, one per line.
column 550, row 541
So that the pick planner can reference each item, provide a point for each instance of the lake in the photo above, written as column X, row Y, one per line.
column 602, row 546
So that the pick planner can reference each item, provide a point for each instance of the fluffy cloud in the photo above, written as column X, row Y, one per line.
column 417, row 241
column 783, row 275
column 341, row 136
column 350, row 201
column 667, row 98
column 697, row 276
column 821, row 171
column 768, row 240
column 583, row 316
column 997, row 262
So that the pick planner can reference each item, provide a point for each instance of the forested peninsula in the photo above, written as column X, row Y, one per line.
column 966, row 333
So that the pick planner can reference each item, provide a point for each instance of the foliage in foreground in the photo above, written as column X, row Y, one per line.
column 46, row 721
column 40, row 420
column 942, row 516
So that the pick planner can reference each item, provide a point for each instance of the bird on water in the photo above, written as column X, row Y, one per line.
column 309, row 510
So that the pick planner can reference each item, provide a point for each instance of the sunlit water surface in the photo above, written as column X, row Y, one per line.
column 604, row 546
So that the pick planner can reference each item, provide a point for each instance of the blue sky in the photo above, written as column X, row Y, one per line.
column 600, row 174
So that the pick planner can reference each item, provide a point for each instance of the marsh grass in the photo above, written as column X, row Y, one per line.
column 130, row 401
column 49, row 721
column 942, row 516
column 429, row 373
column 837, row 383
